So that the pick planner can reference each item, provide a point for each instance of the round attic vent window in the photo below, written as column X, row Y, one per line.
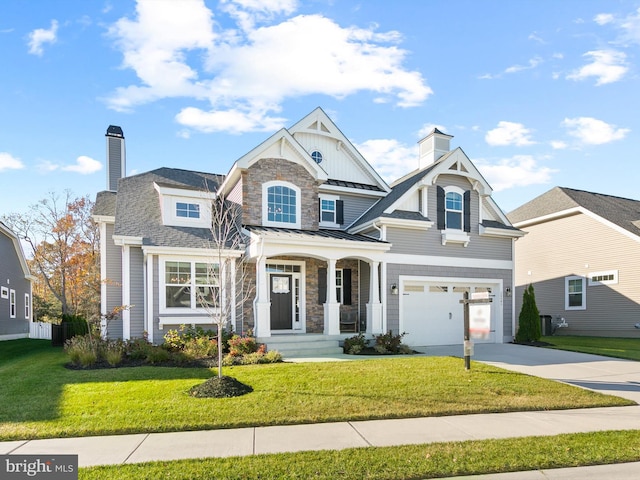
column 317, row 156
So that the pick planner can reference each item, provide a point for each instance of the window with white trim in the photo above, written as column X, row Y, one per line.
column 12, row 304
column 27, row 306
column 281, row 200
column 187, row 210
column 317, row 156
column 610, row 277
column 190, row 285
column 339, row 285
column 331, row 210
column 575, row 293
column 453, row 210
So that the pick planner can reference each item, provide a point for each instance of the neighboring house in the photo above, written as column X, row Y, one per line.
column 15, row 287
column 582, row 255
column 317, row 218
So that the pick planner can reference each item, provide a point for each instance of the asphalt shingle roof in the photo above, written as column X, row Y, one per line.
column 623, row 212
column 105, row 204
column 138, row 207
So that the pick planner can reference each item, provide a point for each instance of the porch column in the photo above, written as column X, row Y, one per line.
column 374, row 307
column 331, row 307
column 262, row 304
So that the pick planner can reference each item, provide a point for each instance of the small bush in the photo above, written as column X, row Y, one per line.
column 354, row 345
column 82, row 350
column 113, row 353
column 137, row 348
column 200, row 347
column 239, row 346
column 388, row 342
column 159, row 355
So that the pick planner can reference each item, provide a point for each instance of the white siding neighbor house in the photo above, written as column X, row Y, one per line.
column 582, row 255
column 332, row 248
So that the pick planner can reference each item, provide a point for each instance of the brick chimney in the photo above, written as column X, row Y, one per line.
column 116, row 159
column 433, row 146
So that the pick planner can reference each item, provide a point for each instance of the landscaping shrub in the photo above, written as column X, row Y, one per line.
column 355, row 345
column 138, row 348
column 388, row 343
column 529, row 328
column 239, row 346
column 200, row 347
column 160, row 355
column 113, row 353
column 81, row 350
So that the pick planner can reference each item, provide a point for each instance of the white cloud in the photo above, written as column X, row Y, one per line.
column 533, row 63
column 559, row 145
column 591, row 131
column 509, row 133
column 390, row 158
column 9, row 162
column 84, row 165
column 517, row 171
column 603, row 18
column 40, row 36
column 246, row 73
column 608, row 66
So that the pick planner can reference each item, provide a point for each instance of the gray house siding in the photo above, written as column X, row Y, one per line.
column 12, row 277
column 136, row 279
column 113, row 281
column 579, row 245
column 395, row 270
column 354, row 206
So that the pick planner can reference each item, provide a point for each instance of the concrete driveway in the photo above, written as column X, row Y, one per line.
column 606, row 375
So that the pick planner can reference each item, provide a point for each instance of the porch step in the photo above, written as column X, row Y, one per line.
column 303, row 345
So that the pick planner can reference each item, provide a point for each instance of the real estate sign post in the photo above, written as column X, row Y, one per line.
column 477, row 321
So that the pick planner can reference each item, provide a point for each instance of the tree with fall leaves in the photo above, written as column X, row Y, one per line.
column 64, row 254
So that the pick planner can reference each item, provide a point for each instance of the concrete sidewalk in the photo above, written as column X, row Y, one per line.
column 616, row 377
column 119, row 449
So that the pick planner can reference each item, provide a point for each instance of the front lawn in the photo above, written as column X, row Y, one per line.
column 40, row 398
column 628, row 348
column 388, row 463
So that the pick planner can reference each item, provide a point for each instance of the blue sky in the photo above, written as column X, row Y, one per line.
column 538, row 93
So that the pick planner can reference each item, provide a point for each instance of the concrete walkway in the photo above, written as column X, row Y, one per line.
column 616, row 377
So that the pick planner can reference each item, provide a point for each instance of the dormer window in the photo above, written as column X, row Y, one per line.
column 280, row 207
column 187, row 210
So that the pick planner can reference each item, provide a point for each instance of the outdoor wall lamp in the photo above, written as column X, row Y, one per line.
column 507, row 291
column 394, row 289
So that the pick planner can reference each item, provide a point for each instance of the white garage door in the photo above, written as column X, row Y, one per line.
column 431, row 312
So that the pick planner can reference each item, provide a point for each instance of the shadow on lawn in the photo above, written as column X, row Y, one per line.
column 33, row 377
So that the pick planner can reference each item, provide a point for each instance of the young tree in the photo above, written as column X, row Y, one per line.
column 223, row 289
column 64, row 251
column 529, row 329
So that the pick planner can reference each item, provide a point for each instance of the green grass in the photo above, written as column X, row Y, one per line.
column 40, row 398
column 628, row 348
column 406, row 462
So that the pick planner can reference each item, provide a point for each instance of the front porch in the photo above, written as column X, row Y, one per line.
column 308, row 283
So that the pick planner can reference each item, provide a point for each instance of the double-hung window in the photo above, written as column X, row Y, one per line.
column 575, row 293
column 453, row 209
column 27, row 306
column 191, row 285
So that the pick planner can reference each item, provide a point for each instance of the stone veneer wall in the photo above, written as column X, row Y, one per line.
column 270, row 169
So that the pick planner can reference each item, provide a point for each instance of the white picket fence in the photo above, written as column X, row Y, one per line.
column 40, row 330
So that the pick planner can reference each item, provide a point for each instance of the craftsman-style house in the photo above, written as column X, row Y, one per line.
column 332, row 249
